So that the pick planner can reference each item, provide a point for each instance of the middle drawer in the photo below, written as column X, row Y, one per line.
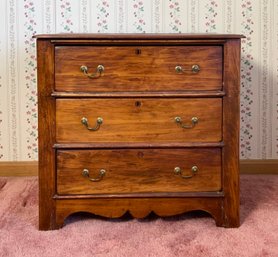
column 138, row 120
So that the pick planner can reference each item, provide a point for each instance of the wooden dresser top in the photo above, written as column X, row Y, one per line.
column 145, row 36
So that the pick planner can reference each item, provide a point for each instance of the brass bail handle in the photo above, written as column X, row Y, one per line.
column 194, row 121
column 85, row 122
column 98, row 72
column 86, row 173
column 178, row 171
column 194, row 69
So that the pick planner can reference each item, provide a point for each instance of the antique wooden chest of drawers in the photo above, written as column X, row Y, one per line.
column 139, row 124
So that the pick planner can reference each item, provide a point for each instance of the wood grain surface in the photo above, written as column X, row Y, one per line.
column 135, row 171
column 139, row 120
column 139, row 144
column 139, row 207
column 46, row 129
column 153, row 69
column 231, row 119
column 128, row 37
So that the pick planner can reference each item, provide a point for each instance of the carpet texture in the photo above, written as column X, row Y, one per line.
column 191, row 234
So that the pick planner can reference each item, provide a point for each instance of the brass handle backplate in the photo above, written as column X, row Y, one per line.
column 99, row 71
column 194, row 121
column 178, row 171
column 194, row 69
column 86, row 173
column 99, row 121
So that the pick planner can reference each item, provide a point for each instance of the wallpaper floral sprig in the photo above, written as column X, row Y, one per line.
column 20, row 20
column 175, row 22
column 211, row 13
column 30, row 70
column 102, row 15
column 138, row 13
column 247, row 68
column 66, row 15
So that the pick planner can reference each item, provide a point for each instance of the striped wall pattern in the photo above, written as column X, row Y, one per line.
column 257, row 20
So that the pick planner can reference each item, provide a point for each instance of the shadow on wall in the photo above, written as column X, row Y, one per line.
column 258, row 115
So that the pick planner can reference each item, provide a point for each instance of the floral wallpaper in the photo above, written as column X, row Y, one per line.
column 21, row 19
column 30, row 25
column 175, row 23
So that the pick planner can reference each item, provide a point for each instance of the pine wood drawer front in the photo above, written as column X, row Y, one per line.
column 138, row 68
column 139, row 120
column 138, row 170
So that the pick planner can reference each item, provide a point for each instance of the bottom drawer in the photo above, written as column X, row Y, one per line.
column 138, row 171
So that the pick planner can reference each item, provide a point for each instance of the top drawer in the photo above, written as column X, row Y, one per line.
column 138, row 68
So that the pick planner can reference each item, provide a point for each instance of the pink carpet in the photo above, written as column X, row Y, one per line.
column 193, row 234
